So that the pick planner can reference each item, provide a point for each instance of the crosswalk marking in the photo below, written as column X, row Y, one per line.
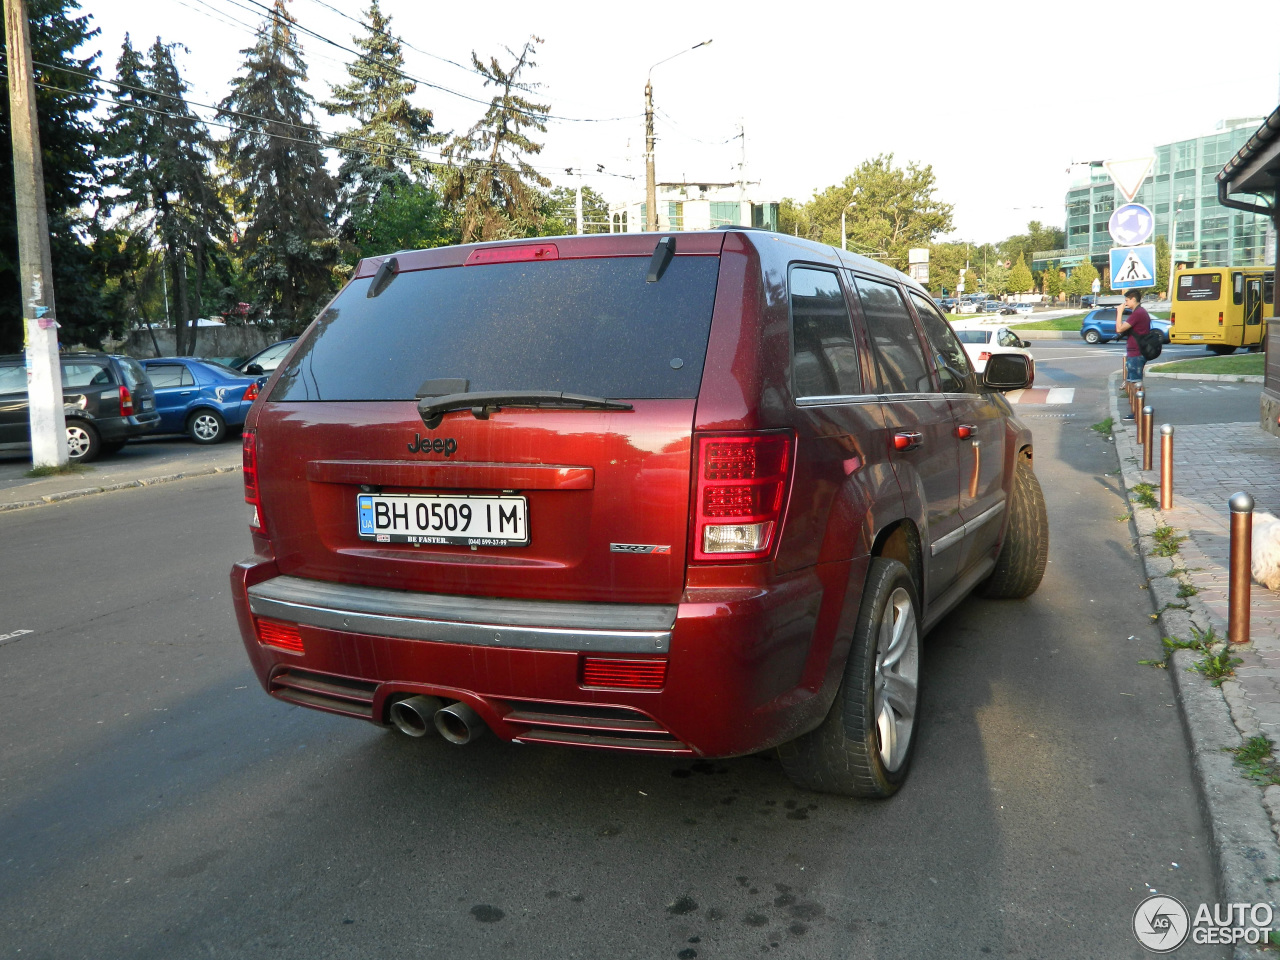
column 1054, row 395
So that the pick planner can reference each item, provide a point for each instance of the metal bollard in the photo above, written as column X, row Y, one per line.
column 1240, row 572
column 1139, row 398
column 1166, row 466
column 1144, row 431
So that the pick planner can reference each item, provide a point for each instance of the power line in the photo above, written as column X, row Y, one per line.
column 401, row 40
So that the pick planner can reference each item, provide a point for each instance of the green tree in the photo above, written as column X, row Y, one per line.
column 1020, row 277
column 385, row 146
column 560, row 212
column 1051, row 284
column 406, row 216
column 161, row 165
column 893, row 210
column 997, row 278
column 1081, row 280
column 1037, row 238
column 793, row 219
column 945, row 261
column 1162, row 265
column 285, row 193
column 70, row 145
column 493, row 189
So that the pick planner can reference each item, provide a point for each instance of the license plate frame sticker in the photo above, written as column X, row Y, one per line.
column 443, row 519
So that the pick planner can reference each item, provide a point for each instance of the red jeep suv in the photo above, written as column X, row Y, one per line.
column 692, row 494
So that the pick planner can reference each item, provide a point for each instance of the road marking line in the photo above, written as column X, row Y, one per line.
column 15, row 635
column 1061, row 395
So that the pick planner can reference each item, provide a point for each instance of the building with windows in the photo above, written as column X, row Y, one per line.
column 1182, row 192
column 695, row 206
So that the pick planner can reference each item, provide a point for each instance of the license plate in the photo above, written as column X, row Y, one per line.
column 147, row 404
column 1197, row 336
column 443, row 519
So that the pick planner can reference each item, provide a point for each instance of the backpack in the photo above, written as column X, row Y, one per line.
column 1149, row 344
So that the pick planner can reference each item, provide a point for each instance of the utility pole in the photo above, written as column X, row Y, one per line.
column 650, row 186
column 35, row 265
column 580, row 230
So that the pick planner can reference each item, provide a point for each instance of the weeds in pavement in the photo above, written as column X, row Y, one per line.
column 1104, row 427
column 1187, row 590
column 1144, row 494
column 1254, row 757
column 1159, row 664
column 1167, row 541
column 55, row 470
column 1216, row 665
column 1124, row 517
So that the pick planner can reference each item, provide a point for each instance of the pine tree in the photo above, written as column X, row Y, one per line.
column 162, row 156
column 494, row 189
column 283, row 190
column 69, row 142
column 1020, row 277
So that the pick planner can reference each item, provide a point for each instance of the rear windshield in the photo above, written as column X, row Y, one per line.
column 1200, row 286
column 972, row 336
column 582, row 326
column 133, row 372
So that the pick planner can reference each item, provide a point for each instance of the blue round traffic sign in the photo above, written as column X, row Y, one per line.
column 1131, row 224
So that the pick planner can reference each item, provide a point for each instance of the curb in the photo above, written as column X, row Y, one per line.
column 112, row 487
column 1242, row 841
column 1232, row 378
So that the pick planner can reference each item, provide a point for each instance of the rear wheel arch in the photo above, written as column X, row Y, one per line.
column 901, row 541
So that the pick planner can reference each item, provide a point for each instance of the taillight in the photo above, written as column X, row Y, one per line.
column 252, row 392
column 126, row 402
column 277, row 633
column 1219, row 318
column 1173, row 318
column 741, row 490
column 632, row 674
column 985, row 355
column 249, row 445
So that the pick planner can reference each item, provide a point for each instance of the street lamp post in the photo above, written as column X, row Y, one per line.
column 843, row 243
column 651, row 187
column 1173, row 220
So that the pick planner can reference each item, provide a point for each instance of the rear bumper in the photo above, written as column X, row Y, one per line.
column 745, row 668
column 122, row 428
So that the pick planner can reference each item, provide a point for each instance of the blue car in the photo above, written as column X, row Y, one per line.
column 199, row 398
column 1099, row 326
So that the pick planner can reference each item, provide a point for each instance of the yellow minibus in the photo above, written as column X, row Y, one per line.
column 1221, row 307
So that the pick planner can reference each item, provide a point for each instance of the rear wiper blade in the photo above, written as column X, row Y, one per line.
column 484, row 402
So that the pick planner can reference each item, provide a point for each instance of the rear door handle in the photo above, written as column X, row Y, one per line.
column 907, row 440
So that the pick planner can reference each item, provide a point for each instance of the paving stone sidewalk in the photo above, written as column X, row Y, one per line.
column 1211, row 463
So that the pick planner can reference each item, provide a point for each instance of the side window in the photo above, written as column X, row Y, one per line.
column 85, row 375
column 825, row 357
column 13, row 379
column 165, row 374
column 952, row 362
column 899, row 357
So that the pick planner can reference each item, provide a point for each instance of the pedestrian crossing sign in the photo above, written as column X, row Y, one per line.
column 1133, row 267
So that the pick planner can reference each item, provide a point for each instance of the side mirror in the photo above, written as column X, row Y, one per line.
column 1008, row 371
column 254, row 370
column 1024, row 344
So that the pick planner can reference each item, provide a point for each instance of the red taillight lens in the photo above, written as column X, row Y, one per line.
column 514, row 254
column 249, row 445
column 1173, row 318
column 984, row 355
column 741, row 490
column 126, row 402
column 631, row 674
column 1219, row 318
column 252, row 392
column 276, row 633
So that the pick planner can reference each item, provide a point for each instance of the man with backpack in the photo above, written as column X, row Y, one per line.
column 1136, row 327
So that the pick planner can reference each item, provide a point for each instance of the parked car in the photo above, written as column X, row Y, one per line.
column 267, row 359
column 698, row 498
column 201, row 399
column 1008, row 310
column 981, row 343
column 1099, row 326
column 232, row 362
column 991, row 306
column 106, row 399
column 1024, row 308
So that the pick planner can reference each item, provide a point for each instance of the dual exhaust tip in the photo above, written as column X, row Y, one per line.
column 457, row 723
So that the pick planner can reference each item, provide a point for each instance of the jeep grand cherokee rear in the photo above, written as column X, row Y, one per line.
column 570, row 491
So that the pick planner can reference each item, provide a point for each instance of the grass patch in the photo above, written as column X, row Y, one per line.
column 56, row 471
column 1144, row 495
column 1072, row 322
column 1239, row 365
column 1187, row 590
column 1104, row 427
column 1158, row 664
column 1217, row 662
column 1255, row 758
column 1167, row 540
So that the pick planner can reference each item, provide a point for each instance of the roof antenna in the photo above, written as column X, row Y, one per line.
column 661, row 259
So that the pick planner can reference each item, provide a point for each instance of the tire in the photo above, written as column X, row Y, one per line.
column 1092, row 336
column 83, row 442
column 863, row 748
column 1222, row 351
column 206, row 426
column 1025, row 551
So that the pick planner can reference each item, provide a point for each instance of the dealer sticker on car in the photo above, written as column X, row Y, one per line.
column 443, row 519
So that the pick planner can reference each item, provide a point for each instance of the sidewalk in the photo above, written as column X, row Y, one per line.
column 1211, row 462
column 138, row 465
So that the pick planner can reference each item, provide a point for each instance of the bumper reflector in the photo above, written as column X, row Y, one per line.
column 275, row 633
column 631, row 674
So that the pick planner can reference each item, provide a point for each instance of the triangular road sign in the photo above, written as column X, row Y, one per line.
column 1128, row 175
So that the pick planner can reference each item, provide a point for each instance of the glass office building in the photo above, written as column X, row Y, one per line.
column 1182, row 191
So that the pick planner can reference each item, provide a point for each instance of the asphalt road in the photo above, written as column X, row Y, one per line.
column 155, row 803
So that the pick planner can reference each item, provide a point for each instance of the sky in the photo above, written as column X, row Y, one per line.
column 1000, row 98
